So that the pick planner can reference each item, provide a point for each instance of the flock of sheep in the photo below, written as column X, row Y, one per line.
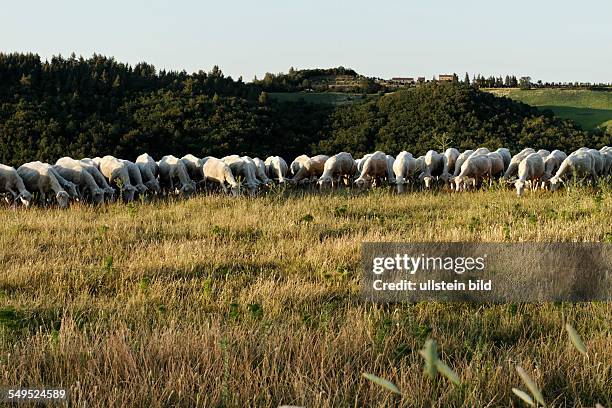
column 100, row 179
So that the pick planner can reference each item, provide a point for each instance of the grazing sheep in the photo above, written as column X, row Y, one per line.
column 497, row 164
column 218, row 171
column 194, row 167
column 552, row 162
column 390, row 174
column 311, row 170
column 173, row 176
column 75, row 171
column 404, row 169
column 340, row 167
column 375, row 168
column 277, row 169
column 434, row 163
column 67, row 185
column 580, row 163
column 39, row 177
column 361, row 162
column 450, row 159
column 245, row 169
column 505, row 154
column 531, row 169
column 260, row 166
column 135, row 176
column 512, row 169
column 11, row 182
column 298, row 163
column 460, row 160
column 477, row 167
column 117, row 173
column 149, row 170
column 99, row 178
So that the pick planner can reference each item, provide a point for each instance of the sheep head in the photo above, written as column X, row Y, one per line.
column 62, row 199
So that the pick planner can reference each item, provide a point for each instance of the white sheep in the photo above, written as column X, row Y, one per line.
column 311, row 169
column 75, row 171
column 277, row 169
column 374, row 168
column 476, row 168
column 340, row 167
column 11, row 182
column 260, row 166
column 404, row 169
column 552, row 162
column 117, row 173
column 390, row 174
column 434, row 163
column 216, row 170
column 449, row 160
column 194, row 167
column 244, row 169
column 497, row 164
column 460, row 160
column 505, row 154
column 38, row 177
column 149, row 170
column 579, row 163
column 93, row 169
column 512, row 169
column 173, row 176
column 298, row 163
column 135, row 176
column 530, row 170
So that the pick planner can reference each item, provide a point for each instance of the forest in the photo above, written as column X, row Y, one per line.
column 96, row 106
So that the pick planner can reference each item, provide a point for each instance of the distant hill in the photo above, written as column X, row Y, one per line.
column 332, row 98
column 439, row 115
column 590, row 109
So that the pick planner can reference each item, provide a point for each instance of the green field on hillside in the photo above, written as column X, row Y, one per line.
column 588, row 108
column 334, row 98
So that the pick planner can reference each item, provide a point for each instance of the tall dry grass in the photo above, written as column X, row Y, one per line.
column 217, row 301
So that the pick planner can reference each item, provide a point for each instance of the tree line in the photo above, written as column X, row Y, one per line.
column 96, row 106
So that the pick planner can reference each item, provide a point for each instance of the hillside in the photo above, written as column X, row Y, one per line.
column 93, row 107
column 437, row 115
column 590, row 109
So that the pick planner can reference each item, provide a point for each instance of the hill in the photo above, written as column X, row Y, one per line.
column 437, row 115
column 92, row 107
column 589, row 108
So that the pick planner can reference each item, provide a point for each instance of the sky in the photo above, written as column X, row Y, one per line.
column 549, row 40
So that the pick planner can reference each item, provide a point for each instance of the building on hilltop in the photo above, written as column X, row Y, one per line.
column 446, row 77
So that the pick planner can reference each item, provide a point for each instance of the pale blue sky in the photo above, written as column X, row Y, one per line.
column 549, row 40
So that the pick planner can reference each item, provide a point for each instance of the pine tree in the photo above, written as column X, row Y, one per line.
column 466, row 80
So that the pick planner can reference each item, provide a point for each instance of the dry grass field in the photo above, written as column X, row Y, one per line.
column 224, row 302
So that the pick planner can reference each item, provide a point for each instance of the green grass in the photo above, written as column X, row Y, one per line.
column 590, row 109
column 334, row 98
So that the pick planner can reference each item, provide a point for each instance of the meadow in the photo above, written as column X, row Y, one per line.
column 588, row 108
column 233, row 302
